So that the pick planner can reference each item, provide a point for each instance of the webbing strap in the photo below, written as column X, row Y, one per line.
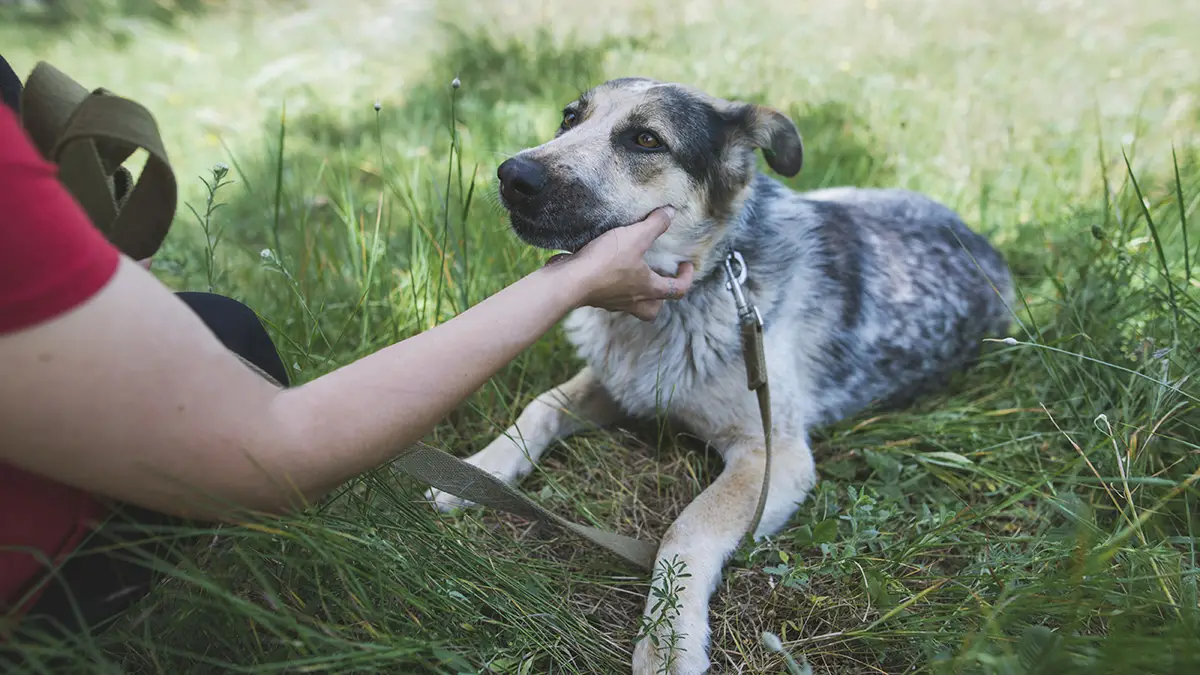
column 88, row 135
column 454, row 476
column 756, row 376
column 461, row 479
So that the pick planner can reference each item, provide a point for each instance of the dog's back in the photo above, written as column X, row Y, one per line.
column 917, row 290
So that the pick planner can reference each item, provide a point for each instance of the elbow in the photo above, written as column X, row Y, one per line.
column 279, row 473
column 290, row 471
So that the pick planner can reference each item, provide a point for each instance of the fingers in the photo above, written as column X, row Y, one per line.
column 647, row 310
column 673, row 288
column 665, row 288
column 641, row 235
column 683, row 278
column 653, row 226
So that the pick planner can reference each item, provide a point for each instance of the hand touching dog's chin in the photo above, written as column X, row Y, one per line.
column 665, row 263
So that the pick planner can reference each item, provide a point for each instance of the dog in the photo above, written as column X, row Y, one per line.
column 869, row 296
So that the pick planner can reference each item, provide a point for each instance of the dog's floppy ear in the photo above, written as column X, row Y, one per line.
column 779, row 139
column 774, row 133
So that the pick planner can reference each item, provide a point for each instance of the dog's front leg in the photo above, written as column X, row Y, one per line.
column 694, row 550
column 555, row 414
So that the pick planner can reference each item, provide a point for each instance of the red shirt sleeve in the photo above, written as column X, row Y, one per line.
column 51, row 257
column 51, row 260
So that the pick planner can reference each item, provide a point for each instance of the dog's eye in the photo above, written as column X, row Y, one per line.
column 568, row 119
column 647, row 140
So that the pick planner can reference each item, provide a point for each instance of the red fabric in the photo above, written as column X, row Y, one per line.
column 51, row 260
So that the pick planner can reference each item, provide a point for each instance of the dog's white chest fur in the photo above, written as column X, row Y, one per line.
column 685, row 365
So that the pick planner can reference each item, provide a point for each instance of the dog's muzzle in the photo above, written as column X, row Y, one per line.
column 547, row 210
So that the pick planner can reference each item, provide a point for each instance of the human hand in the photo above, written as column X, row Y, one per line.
column 616, row 277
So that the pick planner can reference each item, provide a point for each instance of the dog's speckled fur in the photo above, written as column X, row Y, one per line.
column 868, row 296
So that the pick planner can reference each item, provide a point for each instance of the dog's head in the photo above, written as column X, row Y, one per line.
column 631, row 145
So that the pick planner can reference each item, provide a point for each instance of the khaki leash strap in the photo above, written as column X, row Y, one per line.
column 754, row 353
column 454, row 476
column 88, row 135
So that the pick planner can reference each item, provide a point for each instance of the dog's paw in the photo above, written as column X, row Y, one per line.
column 646, row 660
column 446, row 502
column 684, row 659
column 649, row 659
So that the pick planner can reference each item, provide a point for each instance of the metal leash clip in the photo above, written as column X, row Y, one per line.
column 745, row 309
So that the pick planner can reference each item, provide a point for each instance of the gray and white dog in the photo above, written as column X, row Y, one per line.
column 869, row 296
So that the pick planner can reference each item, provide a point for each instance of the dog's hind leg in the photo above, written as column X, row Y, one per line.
column 700, row 541
column 555, row 414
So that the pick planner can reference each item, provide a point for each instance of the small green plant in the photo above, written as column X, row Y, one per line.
column 212, row 234
column 665, row 588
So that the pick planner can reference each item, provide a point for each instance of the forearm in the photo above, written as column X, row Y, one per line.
column 131, row 397
column 362, row 414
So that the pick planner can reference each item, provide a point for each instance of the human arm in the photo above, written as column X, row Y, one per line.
column 130, row 396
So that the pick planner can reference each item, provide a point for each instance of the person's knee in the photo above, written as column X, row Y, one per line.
column 10, row 86
column 239, row 329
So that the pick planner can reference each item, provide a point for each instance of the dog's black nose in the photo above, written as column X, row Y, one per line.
column 521, row 179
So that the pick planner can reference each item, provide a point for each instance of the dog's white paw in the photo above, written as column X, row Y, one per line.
column 446, row 502
column 687, row 658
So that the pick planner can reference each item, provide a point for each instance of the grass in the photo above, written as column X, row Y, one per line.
column 1038, row 517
